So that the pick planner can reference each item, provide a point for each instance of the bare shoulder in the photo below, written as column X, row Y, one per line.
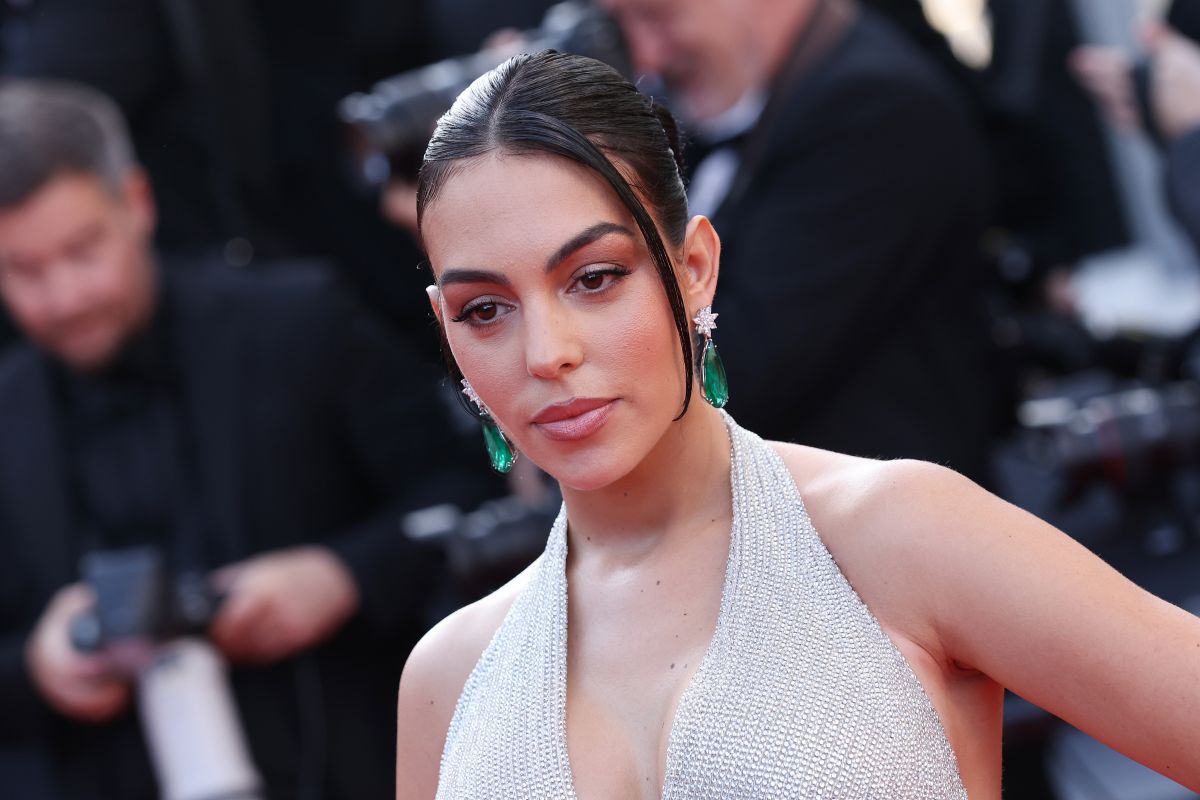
column 986, row 587
column 433, row 678
column 439, row 665
column 840, row 485
column 893, row 527
column 862, row 502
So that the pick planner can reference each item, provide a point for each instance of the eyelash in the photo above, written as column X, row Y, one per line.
column 472, row 308
column 616, row 272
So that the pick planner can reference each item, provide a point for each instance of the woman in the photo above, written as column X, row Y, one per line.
column 687, row 632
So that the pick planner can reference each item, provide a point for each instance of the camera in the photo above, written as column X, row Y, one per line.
column 151, row 624
column 1128, row 436
column 138, row 602
column 1125, row 428
column 485, row 547
column 390, row 126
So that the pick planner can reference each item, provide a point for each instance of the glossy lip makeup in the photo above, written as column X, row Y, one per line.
column 574, row 419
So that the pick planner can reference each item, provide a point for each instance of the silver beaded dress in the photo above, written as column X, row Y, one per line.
column 800, row 694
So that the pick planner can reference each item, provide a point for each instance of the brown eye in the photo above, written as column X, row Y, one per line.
column 483, row 312
column 593, row 281
column 598, row 280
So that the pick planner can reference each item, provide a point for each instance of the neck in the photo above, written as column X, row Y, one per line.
column 683, row 482
column 778, row 32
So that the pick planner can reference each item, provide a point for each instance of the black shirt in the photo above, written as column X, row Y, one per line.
column 126, row 450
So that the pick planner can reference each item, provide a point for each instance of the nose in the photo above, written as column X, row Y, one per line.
column 65, row 294
column 553, row 345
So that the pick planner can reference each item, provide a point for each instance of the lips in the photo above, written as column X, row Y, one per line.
column 574, row 419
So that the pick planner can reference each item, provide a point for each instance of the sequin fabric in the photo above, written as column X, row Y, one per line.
column 800, row 694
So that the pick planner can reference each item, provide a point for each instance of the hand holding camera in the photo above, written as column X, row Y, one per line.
column 1160, row 94
column 1174, row 81
column 86, row 686
column 280, row 603
column 134, row 627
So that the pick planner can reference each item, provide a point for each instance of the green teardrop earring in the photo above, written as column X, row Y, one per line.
column 500, row 451
column 712, row 371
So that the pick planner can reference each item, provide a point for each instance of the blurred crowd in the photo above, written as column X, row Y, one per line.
column 220, row 383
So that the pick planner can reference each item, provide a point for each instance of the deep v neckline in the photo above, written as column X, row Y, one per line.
column 690, row 690
column 800, row 692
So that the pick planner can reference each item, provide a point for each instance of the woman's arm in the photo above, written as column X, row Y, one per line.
column 1037, row 612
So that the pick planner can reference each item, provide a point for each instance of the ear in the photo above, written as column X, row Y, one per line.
column 435, row 300
column 701, row 264
column 139, row 199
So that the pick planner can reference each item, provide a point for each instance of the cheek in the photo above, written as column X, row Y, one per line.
column 115, row 282
column 27, row 310
column 492, row 364
column 29, row 303
column 645, row 340
column 640, row 346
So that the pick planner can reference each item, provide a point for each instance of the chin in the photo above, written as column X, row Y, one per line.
column 587, row 471
column 701, row 102
column 89, row 356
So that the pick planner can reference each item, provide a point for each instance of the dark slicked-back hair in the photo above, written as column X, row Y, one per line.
column 585, row 111
column 50, row 128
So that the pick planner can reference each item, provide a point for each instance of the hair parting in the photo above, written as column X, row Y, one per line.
column 582, row 110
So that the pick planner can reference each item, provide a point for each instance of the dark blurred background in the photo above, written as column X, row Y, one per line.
column 985, row 212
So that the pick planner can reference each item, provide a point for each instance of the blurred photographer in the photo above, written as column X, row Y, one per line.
column 257, row 423
column 850, row 190
column 1161, row 96
column 1176, row 96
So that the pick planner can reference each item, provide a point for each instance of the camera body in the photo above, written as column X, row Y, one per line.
column 1115, row 444
column 139, row 602
column 1129, row 435
column 486, row 547
column 151, row 624
column 390, row 126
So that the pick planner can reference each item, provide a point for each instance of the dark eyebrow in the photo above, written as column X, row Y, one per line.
column 583, row 239
column 472, row 276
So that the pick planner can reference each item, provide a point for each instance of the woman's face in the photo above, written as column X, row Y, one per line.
column 555, row 313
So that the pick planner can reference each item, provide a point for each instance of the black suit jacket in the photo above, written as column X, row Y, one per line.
column 850, row 270
column 308, row 423
column 1183, row 182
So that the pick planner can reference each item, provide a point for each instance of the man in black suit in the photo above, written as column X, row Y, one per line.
column 256, row 423
column 1174, row 99
column 848, row 189
column 232, row 109
column 1168, row 107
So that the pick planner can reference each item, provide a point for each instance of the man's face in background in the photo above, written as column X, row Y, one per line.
column 708, row 52
column 76, row 270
